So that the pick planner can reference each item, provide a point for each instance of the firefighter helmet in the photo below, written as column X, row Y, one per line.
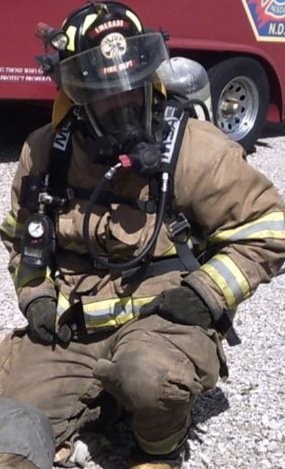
column 111, row 59
column 107, row 66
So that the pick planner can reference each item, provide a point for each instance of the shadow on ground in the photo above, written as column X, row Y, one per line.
column 207, row 405
column 113, row 449
column 269, row 131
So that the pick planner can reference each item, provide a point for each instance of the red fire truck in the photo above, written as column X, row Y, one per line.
column 239, row 42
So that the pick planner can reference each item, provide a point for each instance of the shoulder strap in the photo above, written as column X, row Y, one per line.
column 60, row 154
column 176, row 119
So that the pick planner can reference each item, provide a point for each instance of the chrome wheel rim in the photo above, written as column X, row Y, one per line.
column 238, row 107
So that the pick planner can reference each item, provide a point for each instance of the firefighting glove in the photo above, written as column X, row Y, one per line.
column 41, row 316
column 180, row 305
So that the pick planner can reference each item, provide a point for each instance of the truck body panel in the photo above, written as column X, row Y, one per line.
column 207, row 31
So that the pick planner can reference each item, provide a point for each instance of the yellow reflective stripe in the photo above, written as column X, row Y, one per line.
column 134, row 19
column 165, row 446
column 25, row 275
column 229, row 278
column 171, row 251
column 71, row 33
column 271, row 225
column 63, row 304
column 11, row 227
column 106, row 313
column 113, row 312
column 221, row 282
column 89, row 19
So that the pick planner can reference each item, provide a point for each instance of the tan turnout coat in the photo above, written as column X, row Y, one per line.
column 237, row 214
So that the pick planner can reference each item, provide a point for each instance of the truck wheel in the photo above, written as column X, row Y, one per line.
column 240, row 96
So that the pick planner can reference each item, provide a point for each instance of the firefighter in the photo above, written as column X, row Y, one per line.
column 135, row 232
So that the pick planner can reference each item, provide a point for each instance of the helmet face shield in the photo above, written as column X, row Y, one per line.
column 117, row 65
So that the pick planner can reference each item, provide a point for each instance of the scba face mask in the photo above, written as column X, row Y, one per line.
column 123, row 117
column 115, row 89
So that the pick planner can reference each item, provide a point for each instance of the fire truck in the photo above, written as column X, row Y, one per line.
column 239, row 42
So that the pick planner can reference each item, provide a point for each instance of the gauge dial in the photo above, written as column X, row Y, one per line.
column 36, row 229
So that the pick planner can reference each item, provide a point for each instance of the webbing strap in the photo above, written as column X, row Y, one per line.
column 186, row 256
column 153, row 269
column 60, row 158
column 176, row 120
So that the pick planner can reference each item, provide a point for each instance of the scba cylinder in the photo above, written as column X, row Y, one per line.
column 187, row 80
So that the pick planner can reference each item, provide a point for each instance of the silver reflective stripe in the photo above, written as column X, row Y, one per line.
column 229, row 278
column 106, row 313
column 270, row 229
column 271, row 225
column 113, row 312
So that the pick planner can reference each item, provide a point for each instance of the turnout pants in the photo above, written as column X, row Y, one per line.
column 152, row 367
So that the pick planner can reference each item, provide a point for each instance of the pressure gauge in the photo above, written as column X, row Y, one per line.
column 37, row 242
column 36, row 228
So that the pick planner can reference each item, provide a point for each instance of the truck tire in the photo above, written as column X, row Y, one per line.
column 240, row 98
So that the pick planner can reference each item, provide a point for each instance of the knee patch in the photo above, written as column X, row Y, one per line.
column 149, row 379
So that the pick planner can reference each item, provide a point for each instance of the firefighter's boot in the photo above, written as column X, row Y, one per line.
column 173, row 460
column 155, row 465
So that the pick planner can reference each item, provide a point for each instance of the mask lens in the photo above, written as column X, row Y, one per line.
column 121, row 115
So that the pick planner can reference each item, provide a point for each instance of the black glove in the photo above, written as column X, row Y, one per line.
column 41, row 316
column 180, row 305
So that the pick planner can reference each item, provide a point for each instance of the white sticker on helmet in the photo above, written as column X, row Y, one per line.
column 113, row 45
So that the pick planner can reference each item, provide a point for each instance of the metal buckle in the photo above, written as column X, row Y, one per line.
column 178, row 226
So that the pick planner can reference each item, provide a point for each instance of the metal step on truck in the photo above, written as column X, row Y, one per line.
column 241, row 43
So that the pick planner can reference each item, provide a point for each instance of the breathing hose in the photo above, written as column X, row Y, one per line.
column 121, row 266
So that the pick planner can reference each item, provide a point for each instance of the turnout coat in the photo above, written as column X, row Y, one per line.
column 236, row 215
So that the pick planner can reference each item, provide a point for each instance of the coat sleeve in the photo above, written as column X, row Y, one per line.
column 29, row 283
column 240, row 215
